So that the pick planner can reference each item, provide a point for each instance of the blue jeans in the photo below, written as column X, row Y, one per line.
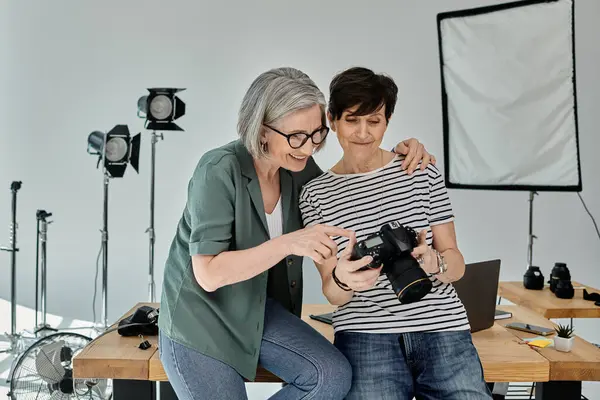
column 440, row 365
column 291, row 349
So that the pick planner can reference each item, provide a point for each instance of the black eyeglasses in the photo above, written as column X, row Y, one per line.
column 297, row 140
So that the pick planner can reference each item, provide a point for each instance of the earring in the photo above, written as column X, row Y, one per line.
column 265, row 147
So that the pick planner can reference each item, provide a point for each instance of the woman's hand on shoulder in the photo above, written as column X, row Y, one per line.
column 315, row 242
column 414, row 151
column 348, row 271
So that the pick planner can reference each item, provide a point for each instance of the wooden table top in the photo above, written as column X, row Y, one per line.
column 582, row 363
column 547, row 304
column 116, row 357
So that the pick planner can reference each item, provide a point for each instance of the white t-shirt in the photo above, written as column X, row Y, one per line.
column 275, row 220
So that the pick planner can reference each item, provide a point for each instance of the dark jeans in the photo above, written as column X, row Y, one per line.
column 441, row 365
column 290, row 349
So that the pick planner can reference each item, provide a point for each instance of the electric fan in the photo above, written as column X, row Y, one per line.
column 45, row 372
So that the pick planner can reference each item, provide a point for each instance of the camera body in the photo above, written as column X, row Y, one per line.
column 391, row 239
column 392, row 247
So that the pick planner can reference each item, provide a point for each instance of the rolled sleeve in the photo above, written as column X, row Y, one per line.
column 310, row 214
column 211, row 209
column 440, row 209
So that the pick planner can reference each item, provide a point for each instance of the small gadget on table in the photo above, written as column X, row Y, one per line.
column 525, row 327
column 326, row 318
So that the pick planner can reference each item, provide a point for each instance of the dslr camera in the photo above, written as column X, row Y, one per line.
column 391, row 246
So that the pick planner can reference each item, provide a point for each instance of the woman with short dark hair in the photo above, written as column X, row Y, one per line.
column 421, row 349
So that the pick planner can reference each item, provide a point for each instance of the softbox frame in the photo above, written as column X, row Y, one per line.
column 509, row 99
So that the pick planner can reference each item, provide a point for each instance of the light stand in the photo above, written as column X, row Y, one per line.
column 160, row 108
column 42, row 237
column 150, row 230
column 115, row 150
column 104, row 232
column 531, row 235
column 13, row 337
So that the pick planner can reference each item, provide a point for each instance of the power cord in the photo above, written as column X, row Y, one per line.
column 119, row 327
column 590, row 214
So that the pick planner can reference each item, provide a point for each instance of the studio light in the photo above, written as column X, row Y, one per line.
column 117, row 148
column 509, row 101
column 160, row 108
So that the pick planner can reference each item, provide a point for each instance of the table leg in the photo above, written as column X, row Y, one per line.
column 167, row 392
column 125, row 389
column 558, row 390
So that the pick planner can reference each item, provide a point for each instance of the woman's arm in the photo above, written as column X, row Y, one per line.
column 441, row 220
column 444, row 241
column 211, row 216
column 215, row 271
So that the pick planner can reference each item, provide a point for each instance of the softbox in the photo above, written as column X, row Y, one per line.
column 509, row 99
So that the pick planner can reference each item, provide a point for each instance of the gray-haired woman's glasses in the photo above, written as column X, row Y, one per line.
column 298, row 139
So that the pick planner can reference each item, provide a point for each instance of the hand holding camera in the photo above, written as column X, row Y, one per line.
column 353, row 273
column 392, row 247
column 424, row 254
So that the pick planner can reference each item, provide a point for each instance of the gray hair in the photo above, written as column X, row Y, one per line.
column 273, row 95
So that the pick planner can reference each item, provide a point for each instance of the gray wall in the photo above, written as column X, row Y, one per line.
column 69, row 68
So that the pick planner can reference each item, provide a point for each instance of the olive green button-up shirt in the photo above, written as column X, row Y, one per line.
column 225, row 212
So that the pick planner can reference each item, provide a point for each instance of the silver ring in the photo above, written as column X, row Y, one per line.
column 420, row 260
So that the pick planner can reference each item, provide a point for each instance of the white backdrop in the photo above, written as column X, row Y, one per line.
column 73, row 67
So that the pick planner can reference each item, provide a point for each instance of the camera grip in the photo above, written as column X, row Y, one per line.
column 358, row 253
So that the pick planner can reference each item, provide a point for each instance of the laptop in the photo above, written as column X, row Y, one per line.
column 478, row 290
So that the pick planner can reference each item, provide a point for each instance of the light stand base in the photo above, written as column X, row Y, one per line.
column 18, row 343
column 44, row 327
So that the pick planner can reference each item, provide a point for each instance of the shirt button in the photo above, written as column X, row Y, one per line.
column 293, row 284
column 290, row 261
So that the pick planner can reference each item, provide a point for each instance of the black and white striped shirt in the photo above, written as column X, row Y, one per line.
column 363, row 203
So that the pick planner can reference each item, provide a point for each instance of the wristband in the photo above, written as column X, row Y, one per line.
column 441, row 262
column 342, row 285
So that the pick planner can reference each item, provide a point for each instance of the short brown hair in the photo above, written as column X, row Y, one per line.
column 359, row 86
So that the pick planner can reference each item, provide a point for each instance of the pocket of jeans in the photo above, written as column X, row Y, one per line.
column 452, row 343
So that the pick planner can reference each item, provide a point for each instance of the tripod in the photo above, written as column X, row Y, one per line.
column 41, row 216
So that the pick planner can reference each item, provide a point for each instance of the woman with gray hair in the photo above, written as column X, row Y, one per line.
column 232, row 288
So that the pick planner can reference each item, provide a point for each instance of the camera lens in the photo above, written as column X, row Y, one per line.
column 564, row 289
column 559, row 272
column 409, row 282
column 533, row 279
